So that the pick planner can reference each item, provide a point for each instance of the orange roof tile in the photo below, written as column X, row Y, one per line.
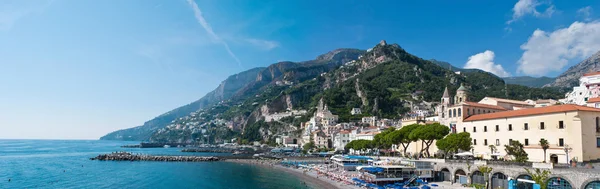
column 475, row 104
column 591, row 74
column 344, row 132
column 532, row 111
column 594, row 100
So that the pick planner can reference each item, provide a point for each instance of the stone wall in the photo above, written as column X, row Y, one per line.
column 577, row 177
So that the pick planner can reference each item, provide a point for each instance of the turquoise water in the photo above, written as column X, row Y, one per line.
column 66, row 164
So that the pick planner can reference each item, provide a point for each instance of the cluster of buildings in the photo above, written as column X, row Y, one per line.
column 571, row 125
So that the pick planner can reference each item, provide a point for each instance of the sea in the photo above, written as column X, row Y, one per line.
column 66, row 164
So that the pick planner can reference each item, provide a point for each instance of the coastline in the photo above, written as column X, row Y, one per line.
column 309, row 177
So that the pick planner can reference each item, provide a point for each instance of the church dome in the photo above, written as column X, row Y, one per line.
column 462, row 88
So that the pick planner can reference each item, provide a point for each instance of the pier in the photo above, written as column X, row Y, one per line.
column 125, row 156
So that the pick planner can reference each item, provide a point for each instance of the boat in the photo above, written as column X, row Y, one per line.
column 166, row 146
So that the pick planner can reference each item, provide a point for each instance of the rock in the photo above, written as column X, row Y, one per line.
column 382, row 43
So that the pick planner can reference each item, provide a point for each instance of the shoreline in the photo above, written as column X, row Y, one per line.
column 309, row 177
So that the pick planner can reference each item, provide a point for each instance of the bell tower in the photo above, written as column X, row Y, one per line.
column 462, row 94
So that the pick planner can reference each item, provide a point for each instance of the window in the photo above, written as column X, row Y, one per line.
column 485, row 142
column 474, row 129
column 526, row 142
column 464, row 129
column 598, row 124
column 442, row 115
column 474, row 141
column 561, row 142
column 449, row 113
column 454, row 113
column 478, row 111
column 497, row 142
column 488, row 111
column 468, row 111
column 526, row 126
column 542, row 127
column 459, row 112
column 497, row 128
column 509, row 127
column 509, row 141
column 598, row 142
column 561, row 125
column 484, row 128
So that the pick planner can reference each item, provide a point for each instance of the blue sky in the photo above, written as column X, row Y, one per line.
column 77, row 69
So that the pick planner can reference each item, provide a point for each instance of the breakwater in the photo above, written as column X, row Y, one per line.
column 211, row 150
column 157, row 145
column 125, row 156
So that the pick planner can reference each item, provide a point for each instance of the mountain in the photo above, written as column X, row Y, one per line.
column 386, row 82
column 449, row 66
column 226, row 89
column 243, row 85
column 529, row 81
column 570, row 78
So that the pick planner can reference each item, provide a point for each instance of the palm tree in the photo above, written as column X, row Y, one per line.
column 545, row 146
column 492, row 149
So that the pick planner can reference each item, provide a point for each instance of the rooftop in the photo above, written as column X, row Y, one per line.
column 594, row 100
column 508, row 101
column 475, row 104
column 532, row 111
column 591, row 74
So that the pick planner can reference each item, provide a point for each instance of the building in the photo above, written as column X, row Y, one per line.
column 371, row 120
column 589, row 87
column 453, row 113
column 320, row 139
column 506, row 103
column 340, row 139
column 594, row 102
column 369, row 135
column 356, row 111
column 563, row 126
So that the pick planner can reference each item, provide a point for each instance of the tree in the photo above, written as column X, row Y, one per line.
column 402, row 136
column 545, row 146
column 359, row 145
column 382, row 140
column 516, row 150
column 428, row 133
column 455, row 142
column 486, row 173
column 539, row 176
column 308, row 146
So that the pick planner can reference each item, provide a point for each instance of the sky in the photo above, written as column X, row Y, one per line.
column 78, row 69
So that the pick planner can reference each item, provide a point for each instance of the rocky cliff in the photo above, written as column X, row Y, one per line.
column 570, row 78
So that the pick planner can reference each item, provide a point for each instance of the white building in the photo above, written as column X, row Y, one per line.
column 356, row 111
column 589, row 87
column 341, row 139
column 370, row 120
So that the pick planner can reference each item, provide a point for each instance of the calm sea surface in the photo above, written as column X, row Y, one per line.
column 66, row 164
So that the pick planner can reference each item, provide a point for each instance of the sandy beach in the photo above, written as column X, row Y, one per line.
column 309, row 177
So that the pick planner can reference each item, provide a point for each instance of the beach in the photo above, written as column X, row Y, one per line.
column 310, row 177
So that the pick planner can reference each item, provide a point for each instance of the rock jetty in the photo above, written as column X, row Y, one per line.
column 211, row 150
column 125, row 156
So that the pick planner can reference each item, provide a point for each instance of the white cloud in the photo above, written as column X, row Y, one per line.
column 529, row 7
column 551, row 51
column 485, row 61
column 585, row 12
column 209, row 30
column 263, row 44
